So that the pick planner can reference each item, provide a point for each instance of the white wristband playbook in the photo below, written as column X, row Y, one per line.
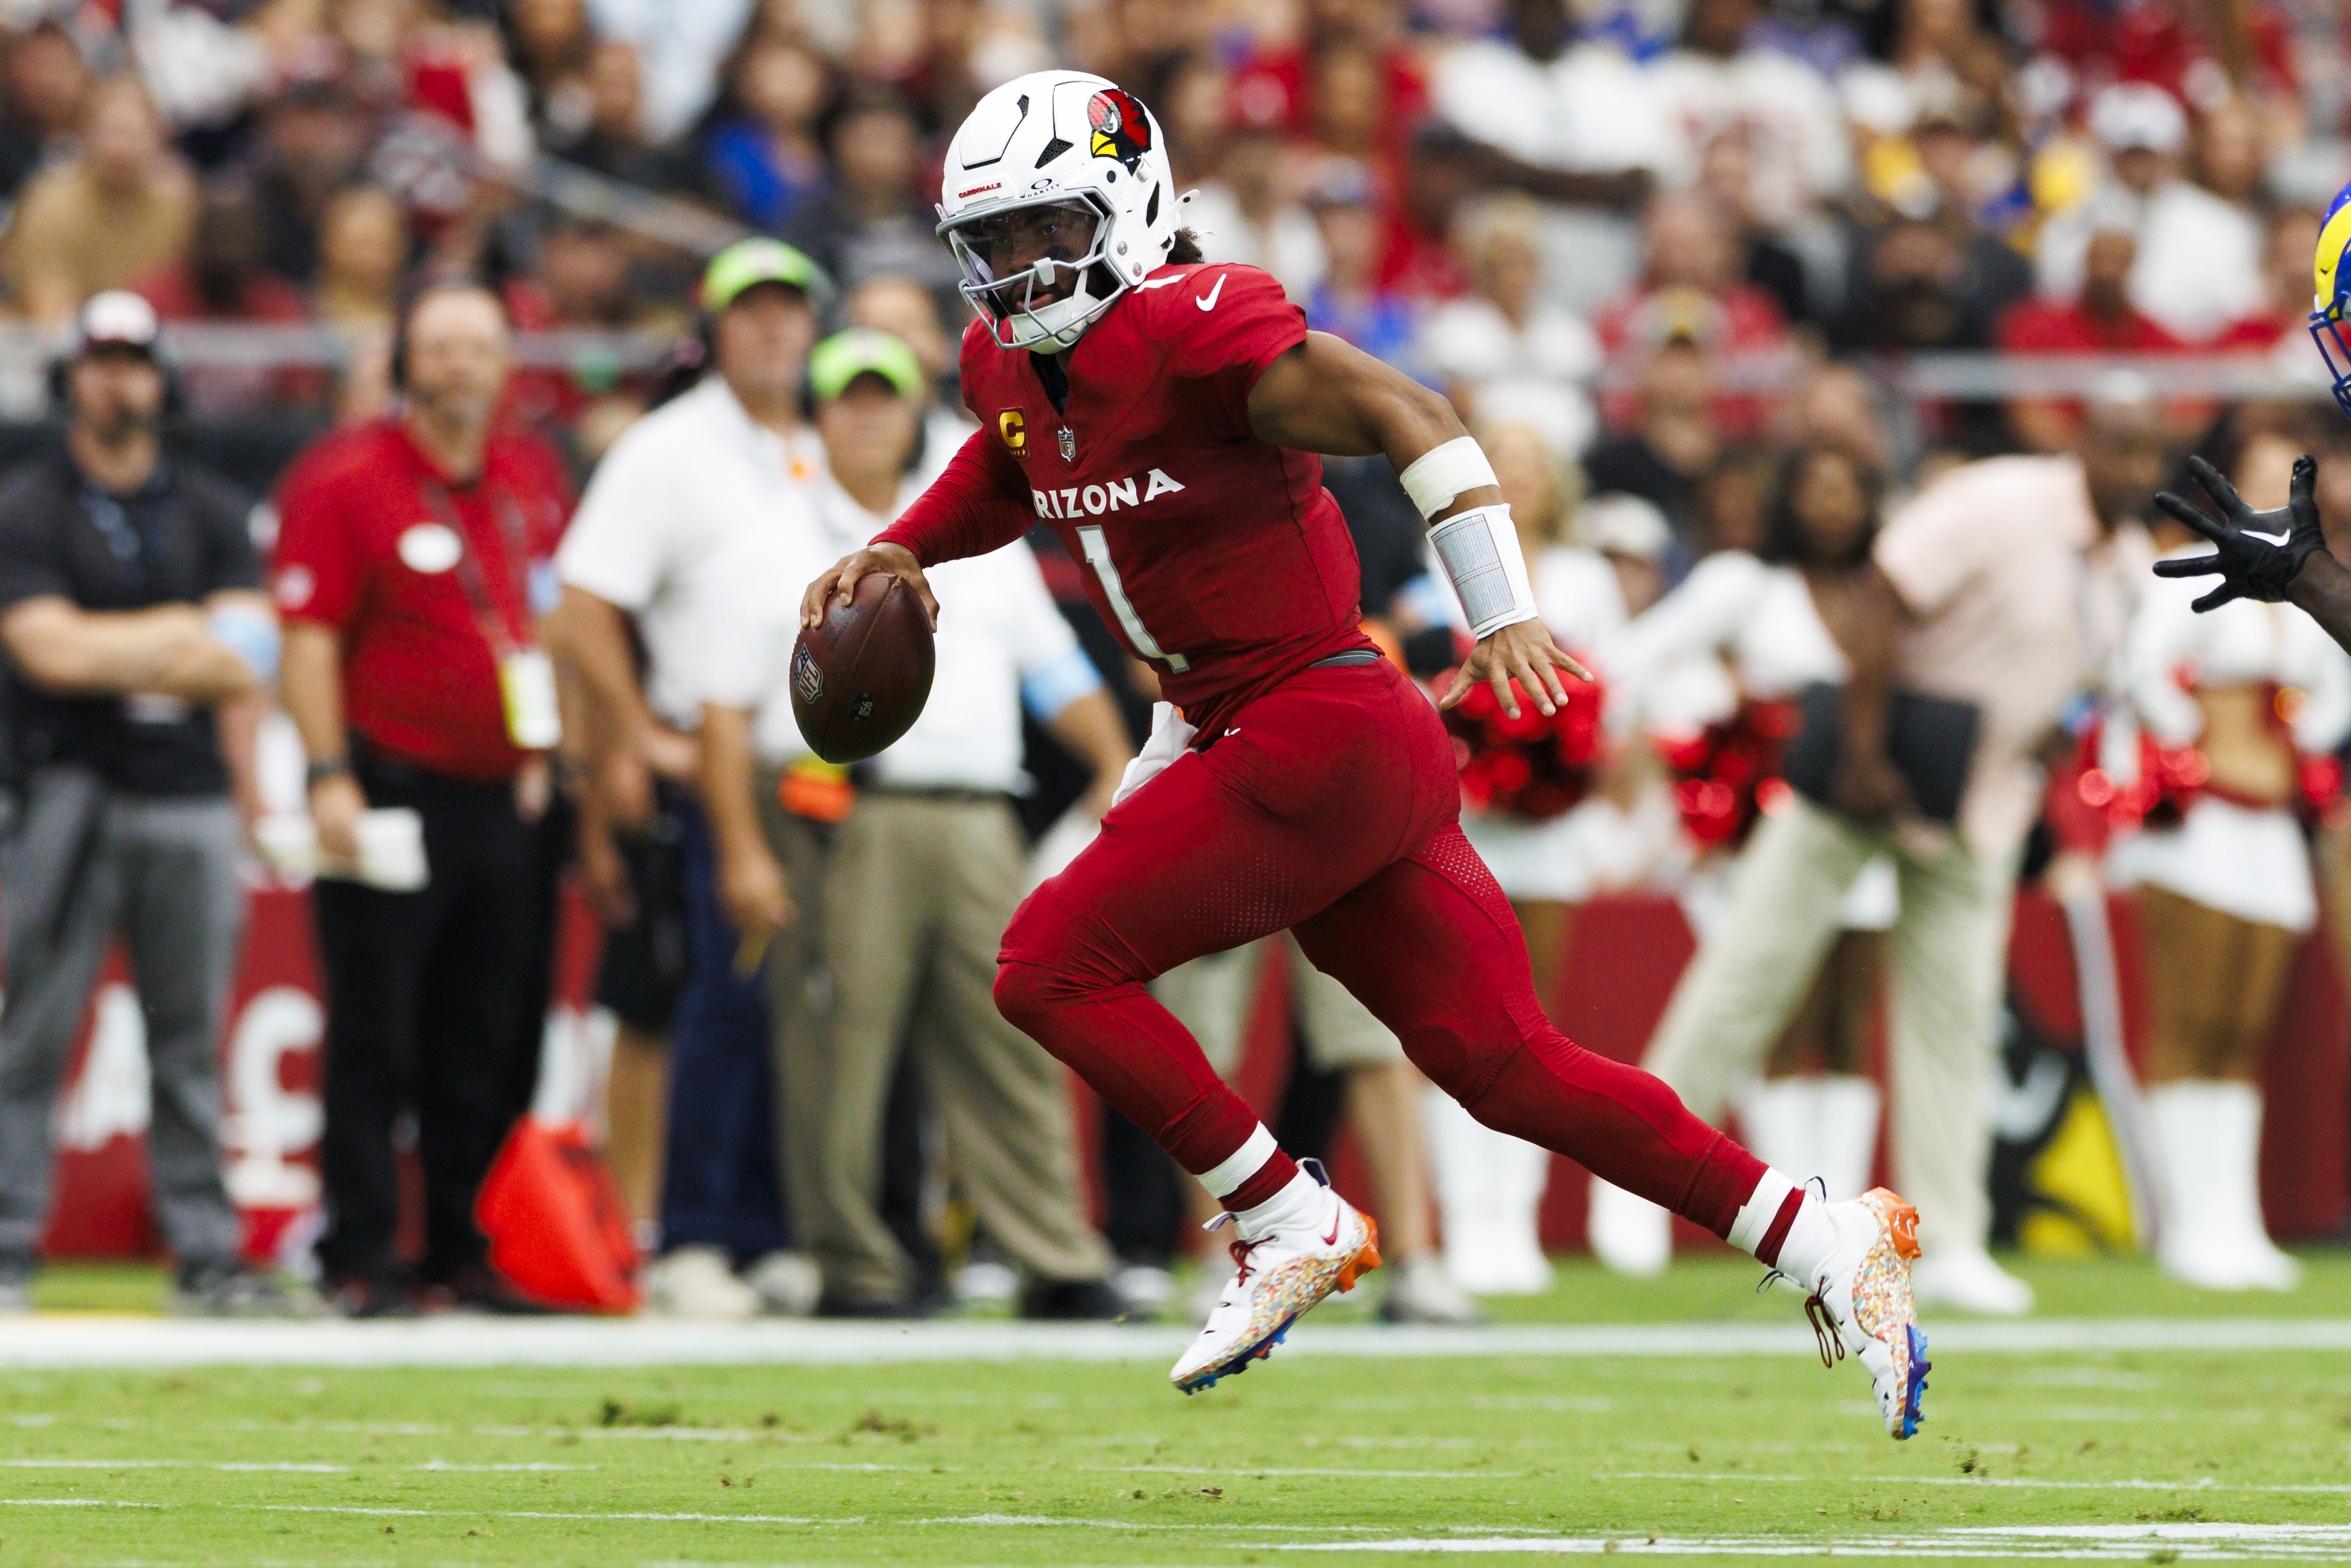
column 1479, row 547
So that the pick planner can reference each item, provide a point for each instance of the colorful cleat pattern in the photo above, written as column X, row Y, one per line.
column 1276, row 1279
column 1862, row 1302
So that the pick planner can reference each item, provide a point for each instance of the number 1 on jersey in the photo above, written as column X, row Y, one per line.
column 1106, row 573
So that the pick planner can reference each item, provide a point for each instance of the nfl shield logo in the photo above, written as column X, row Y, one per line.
column 1069, row 443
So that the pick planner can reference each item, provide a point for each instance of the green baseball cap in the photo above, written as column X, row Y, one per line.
column 749, row 263
column 845, row 356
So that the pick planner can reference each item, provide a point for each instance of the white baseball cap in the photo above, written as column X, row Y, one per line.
column 116, row 318
column 2134, row 116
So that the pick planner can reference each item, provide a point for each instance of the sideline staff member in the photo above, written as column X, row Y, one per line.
column 408, row 554
column 924, row 872
column 131, row 612
column 731, row 456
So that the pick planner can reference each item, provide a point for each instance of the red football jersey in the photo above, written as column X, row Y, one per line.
column 1216, row 556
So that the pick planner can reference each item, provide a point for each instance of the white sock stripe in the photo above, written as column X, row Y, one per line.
column 1226, row 1176
column 1761, row 1207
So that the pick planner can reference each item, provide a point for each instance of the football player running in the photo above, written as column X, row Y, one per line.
column 1162, row 417
column 2280, row 556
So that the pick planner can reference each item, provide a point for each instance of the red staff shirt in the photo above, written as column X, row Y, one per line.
column 366, row 546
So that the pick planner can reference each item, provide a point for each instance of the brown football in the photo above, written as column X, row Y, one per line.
column 860, row 680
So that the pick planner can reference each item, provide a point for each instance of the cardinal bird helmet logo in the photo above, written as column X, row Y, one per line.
column 1122, row 130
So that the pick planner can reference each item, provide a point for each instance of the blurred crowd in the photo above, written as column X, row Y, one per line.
column 1667, row 256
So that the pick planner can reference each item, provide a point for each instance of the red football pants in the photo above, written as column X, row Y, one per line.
column 1328, row 807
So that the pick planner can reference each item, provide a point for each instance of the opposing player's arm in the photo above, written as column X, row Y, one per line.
column 977, row 504
column 1325, row 395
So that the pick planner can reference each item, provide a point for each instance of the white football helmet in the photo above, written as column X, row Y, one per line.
column 1057, row 199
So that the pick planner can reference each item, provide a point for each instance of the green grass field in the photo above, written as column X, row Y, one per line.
column 1308, row 1458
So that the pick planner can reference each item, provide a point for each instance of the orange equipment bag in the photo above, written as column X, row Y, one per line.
column 558, row 1227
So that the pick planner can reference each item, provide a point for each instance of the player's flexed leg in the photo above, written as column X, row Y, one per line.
column 1161, row 418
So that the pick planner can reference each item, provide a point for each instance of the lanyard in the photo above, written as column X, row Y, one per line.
column 495, row 628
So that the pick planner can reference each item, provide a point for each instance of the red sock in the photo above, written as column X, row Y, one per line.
column 1270, row 1178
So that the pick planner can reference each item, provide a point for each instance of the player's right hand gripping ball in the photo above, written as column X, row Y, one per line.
column 860, row 680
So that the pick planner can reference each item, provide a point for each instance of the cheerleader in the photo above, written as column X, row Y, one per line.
column 1489, row 1185
column 2224, row 894
column 1728, row 653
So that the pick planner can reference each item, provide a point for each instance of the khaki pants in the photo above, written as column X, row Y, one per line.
column 1948, row 954
column 916, row 895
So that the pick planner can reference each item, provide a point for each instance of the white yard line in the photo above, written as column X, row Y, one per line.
column 2200, row 1484
column 54, row 1341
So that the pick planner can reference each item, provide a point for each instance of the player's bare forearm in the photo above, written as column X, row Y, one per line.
column 1328, row 396
column 2322, row 589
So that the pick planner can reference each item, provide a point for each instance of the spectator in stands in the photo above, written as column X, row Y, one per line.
column 363, row 247
column 135, row 628
column 2199, row 265
column 42, row 80
column 2099, row 319
column 764, row 156
column 121, row 207
column 412, row 564
column 312, row 142
column 223, row 280
column 1351, row 302
column 2289, row 241
column 732, row 454
column 1248, row 210
column 614, row 140
column 876, row 218
column 1673, row 440
column 1548, row 100
column 1792, row 116
column 1760, row 258
column 549, row 43
column 1690, row 285
column 2177, row 47
column 1933, row 281
column 924, row 871
column 1507, row 351
column 680, row 45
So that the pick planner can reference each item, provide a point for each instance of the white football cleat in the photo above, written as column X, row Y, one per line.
column 1277, row 1277
column 1860, row 1302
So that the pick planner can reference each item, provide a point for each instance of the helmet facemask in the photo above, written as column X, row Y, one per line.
column 1034, row 270
column 2327, row 326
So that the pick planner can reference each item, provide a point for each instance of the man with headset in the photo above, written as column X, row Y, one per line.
column 412, row 568
column 734, row 454
column 136, row 633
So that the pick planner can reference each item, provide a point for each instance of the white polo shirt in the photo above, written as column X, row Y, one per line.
column 1001, row 641
column 680, row 489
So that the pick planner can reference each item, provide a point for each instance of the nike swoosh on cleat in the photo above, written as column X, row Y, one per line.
column 1331, row 1239
column 1209, row 301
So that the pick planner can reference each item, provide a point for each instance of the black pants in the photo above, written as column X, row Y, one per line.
column 422, row 994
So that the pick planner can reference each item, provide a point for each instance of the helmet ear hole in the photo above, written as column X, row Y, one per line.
column 1151, row 211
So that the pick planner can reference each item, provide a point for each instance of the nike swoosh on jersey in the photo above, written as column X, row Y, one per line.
column 1209, row 301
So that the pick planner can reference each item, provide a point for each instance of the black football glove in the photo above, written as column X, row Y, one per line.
column 2249, row 566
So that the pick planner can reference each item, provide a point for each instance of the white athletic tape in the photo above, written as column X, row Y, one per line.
column 1443, row 472
column 1479, row 550
column 1226, row 1176
column 1763, row 1207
